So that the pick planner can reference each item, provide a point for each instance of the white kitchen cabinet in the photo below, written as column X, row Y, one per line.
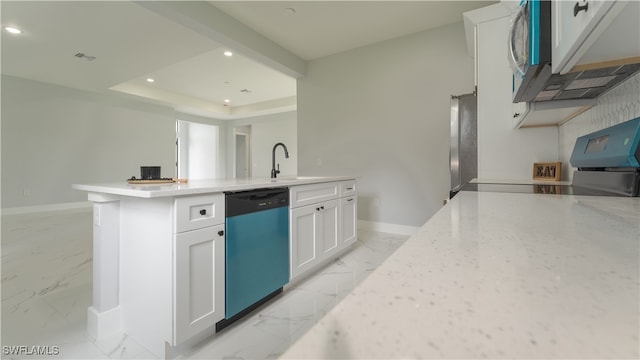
column 330, row 230
column 159, row 257
column 304, row 239
column 504, row 152
column 347, row 188
column 349, row 211
column 575, row 26
column 319, row 227
column 315, row 234
column 199, row 265
column 199, row 281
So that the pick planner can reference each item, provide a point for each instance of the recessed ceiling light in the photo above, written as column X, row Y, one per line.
column 228, row 53
column 290, row 11
column 150, row 80
column 12, row 30
column 226, row 101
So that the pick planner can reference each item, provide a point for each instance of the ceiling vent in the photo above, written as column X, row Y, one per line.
column 85, row 57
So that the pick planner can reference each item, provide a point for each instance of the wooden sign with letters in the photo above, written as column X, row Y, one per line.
column 547, row 171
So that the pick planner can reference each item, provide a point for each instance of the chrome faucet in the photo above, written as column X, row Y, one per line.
column 274, row 171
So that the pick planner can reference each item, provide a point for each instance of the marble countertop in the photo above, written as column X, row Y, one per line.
column 498, row 275
column 201, row 186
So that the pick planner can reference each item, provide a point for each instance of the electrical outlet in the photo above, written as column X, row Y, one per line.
column 26, row 192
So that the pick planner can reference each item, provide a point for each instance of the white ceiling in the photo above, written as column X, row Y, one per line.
column 131, row 43
column 322, row 28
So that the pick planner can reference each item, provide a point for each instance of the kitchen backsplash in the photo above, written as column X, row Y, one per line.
column 620, row 104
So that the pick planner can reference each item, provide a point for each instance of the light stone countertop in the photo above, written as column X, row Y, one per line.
column 498, row 275
column 201, row 186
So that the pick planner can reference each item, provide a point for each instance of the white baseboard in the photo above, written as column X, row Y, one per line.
column 388, row 228
column 48, row 207
column 103, row 324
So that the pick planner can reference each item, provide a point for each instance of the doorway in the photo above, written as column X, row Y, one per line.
column 242, row 137
column 196, row 150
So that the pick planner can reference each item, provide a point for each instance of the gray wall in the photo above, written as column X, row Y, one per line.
column 266, row 131
column 381, row 113
column 54, row 136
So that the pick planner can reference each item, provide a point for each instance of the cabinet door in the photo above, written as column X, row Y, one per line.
column 304, row 238
column 331, row 229
column 349, row 210
column 575, row 25
column 198, row 281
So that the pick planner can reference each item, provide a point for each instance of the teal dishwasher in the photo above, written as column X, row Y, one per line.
column 256, row 249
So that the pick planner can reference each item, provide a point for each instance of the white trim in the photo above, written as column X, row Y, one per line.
column 48, row 207
column 103, row 324
column 388, row 228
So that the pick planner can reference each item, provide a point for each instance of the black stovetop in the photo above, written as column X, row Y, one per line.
column 535, row 189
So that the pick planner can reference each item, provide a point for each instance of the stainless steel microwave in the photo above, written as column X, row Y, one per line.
column 530, row 48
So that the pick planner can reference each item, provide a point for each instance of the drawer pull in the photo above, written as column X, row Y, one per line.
column 350, row 199
column 203, row 212
column 577, row 8
column 349, row 188
column 220, row 233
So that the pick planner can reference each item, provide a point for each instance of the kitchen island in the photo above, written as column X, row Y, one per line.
column 498, row 275
column 159, row 251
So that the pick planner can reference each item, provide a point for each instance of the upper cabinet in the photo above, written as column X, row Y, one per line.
column 576, row 25
column 594, row 45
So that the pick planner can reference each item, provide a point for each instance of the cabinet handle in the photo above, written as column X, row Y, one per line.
column 220, row 233
column 350, row 199
column 349, row 188
column 577, row 8
column 322, row 207
column 203, row 212
column 516, row 115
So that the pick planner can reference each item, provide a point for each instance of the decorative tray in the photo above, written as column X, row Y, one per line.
column 133, row 180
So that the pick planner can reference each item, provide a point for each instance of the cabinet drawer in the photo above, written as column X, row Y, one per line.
column 310, row 194
column 347, row 188
column 196, row 212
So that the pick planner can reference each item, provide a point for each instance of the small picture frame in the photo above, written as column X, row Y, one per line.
column 547, row 171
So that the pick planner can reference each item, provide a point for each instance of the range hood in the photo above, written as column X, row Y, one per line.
column 583, row 81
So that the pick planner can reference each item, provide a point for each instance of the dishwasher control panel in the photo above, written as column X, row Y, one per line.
column 243, row 202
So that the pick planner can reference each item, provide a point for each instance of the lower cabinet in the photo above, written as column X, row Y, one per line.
column 199, row 281
column 314, row 234
column 349, row 220
column 320, row 230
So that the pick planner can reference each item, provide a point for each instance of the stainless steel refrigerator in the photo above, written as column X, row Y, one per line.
column 463, row 154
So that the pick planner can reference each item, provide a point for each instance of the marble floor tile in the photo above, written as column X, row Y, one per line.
column 47, row 287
